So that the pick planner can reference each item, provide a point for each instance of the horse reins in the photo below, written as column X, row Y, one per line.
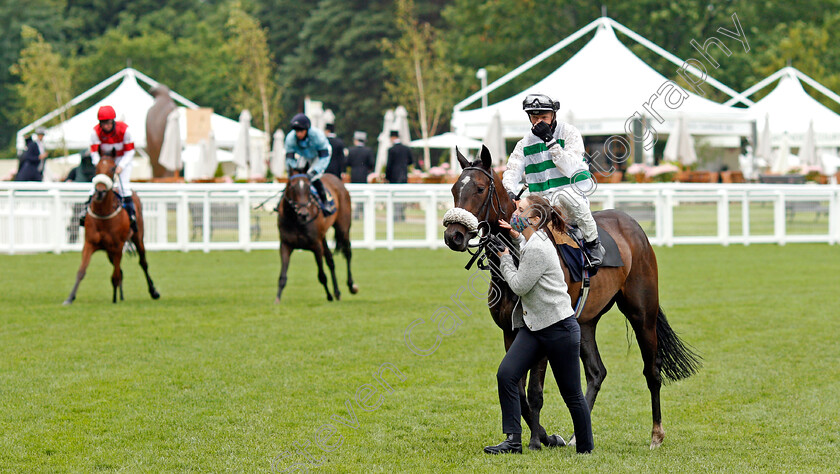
column 297, row 206
column 484, row 240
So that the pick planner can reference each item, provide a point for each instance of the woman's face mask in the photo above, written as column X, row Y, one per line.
column 519, row 223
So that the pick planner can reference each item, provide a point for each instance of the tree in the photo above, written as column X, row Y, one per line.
column 420, row 73
column 45, row 82
column 249, row 48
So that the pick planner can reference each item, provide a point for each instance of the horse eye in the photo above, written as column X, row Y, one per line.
column 480, row 190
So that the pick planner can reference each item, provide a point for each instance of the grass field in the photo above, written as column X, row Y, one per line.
column 213, row 377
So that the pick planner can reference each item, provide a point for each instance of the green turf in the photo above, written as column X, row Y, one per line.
column 213, row 377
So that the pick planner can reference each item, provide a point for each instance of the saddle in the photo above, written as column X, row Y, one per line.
column 329, row 206
column 571, row 249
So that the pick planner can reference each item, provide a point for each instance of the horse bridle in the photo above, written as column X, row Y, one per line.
column 296, row 206
column 491, row 202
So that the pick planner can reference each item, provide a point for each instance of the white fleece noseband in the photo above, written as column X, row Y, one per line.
column 103, row 179
column 458, row 215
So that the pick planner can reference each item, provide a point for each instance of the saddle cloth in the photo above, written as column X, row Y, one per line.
column 571, row 253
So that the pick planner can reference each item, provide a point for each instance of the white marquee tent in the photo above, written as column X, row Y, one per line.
column 790, row 109
column 602, row 86
column 131, row 103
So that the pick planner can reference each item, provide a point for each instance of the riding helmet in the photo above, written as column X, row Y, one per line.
column 301, row 122
column 106, row 112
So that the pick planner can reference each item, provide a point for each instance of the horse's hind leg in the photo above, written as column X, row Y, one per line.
column 331, row 265
column 141, row 253
column 342, row 241
column 642, row 315
column 593, row 366
column 318, row 250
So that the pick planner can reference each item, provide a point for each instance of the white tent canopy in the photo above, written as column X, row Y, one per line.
column 602, row 99
column 447, row 141
column 131, row 103
column 791, row 110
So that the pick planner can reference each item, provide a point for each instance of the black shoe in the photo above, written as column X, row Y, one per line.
column 513, row 444
column 596, row 252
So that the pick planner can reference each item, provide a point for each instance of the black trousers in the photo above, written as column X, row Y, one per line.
column 560, row 342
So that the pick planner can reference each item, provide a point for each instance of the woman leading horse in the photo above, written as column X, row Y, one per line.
column 481, row 198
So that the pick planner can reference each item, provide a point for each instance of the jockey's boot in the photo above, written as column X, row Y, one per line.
column 327, row 206
column 596, row 252
column 128, row 204
column 83, row 215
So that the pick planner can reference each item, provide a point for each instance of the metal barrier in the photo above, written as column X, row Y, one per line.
column 41, row 217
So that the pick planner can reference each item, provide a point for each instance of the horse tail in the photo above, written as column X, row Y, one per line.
column 677, row 359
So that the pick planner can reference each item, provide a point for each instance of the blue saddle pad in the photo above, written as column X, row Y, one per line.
column 573, row 257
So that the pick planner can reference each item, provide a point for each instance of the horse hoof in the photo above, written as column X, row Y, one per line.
column 354, row 289
column 338, row 296
column 555, row 441
column 67, row 302
column 155, row 295
column 572, row 441
column 277, row 300
column 535, row 445
column 329, row 298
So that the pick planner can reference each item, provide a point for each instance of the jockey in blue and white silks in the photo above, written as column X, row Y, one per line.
column 308, row 148
column 550, row 158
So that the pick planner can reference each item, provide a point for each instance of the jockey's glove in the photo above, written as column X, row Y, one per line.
column 312, row 173
column 543, row 131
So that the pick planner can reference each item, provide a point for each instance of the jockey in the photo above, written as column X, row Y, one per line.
column 112, row 137
column 550, row 158
column 314, row 150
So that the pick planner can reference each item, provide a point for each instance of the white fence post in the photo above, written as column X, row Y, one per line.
column 206, row 231
column 389, row 220
column 245, row 220
column 182, row 218
column 723, row 217
column 58, row 220
column 11, row 222
column 779, row 218
column 431, row 220
column 370, row 219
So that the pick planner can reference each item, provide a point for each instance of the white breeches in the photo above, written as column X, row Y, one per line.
column 122, row 181
column 575, row 207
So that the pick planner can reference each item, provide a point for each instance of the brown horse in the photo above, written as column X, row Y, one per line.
column 302, row 225
column 634, row 287
column 107, row 227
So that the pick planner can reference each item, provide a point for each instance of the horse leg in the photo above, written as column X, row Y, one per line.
column 87, row 252
column 116, row 276
column 331, row 265
column 318, row 250
column 534, row 405
column 642, row 316
column 285, row 256
column 121, row 283
column 342, row 241
column 141, row 253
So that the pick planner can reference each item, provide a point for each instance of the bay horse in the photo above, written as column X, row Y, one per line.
column 302, row 225
column 108, row 227
column 633, row 287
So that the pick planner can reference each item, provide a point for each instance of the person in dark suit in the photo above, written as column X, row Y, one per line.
column 31, row 164
column 396, row 169
column 360, row 159
column 399, row 157
column 338, row 161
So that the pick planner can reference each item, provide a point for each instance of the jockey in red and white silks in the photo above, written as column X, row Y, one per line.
column 113, row 135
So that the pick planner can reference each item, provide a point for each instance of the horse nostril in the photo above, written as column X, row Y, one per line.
column 458, row 238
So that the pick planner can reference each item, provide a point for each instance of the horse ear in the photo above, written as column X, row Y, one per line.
column 486, row 160
column 461, row 159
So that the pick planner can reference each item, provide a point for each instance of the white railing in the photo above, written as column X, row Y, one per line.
column 39, row 217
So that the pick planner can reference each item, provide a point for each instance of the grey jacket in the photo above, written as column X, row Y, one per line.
column 540, row 283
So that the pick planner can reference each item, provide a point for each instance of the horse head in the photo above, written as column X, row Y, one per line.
column 298, row 197
column 103, row 182
column 480, row 201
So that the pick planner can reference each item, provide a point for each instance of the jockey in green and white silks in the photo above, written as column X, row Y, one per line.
column 550, row 158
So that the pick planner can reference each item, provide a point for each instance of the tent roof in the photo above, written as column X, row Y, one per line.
column 132, row 102
column 791, row 110
column 601, row 87
column 446, row 140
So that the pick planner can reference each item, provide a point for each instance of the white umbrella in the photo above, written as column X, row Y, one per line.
column 808, row 151
column 495, row 141
column 401, row 123
column 257, row 159
column 765, row 145
column 384, row 142
column 680, row 145
column 781, row 160
column 170, row 150
column 278, row 154
column 207, row 157
column 242, row 147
